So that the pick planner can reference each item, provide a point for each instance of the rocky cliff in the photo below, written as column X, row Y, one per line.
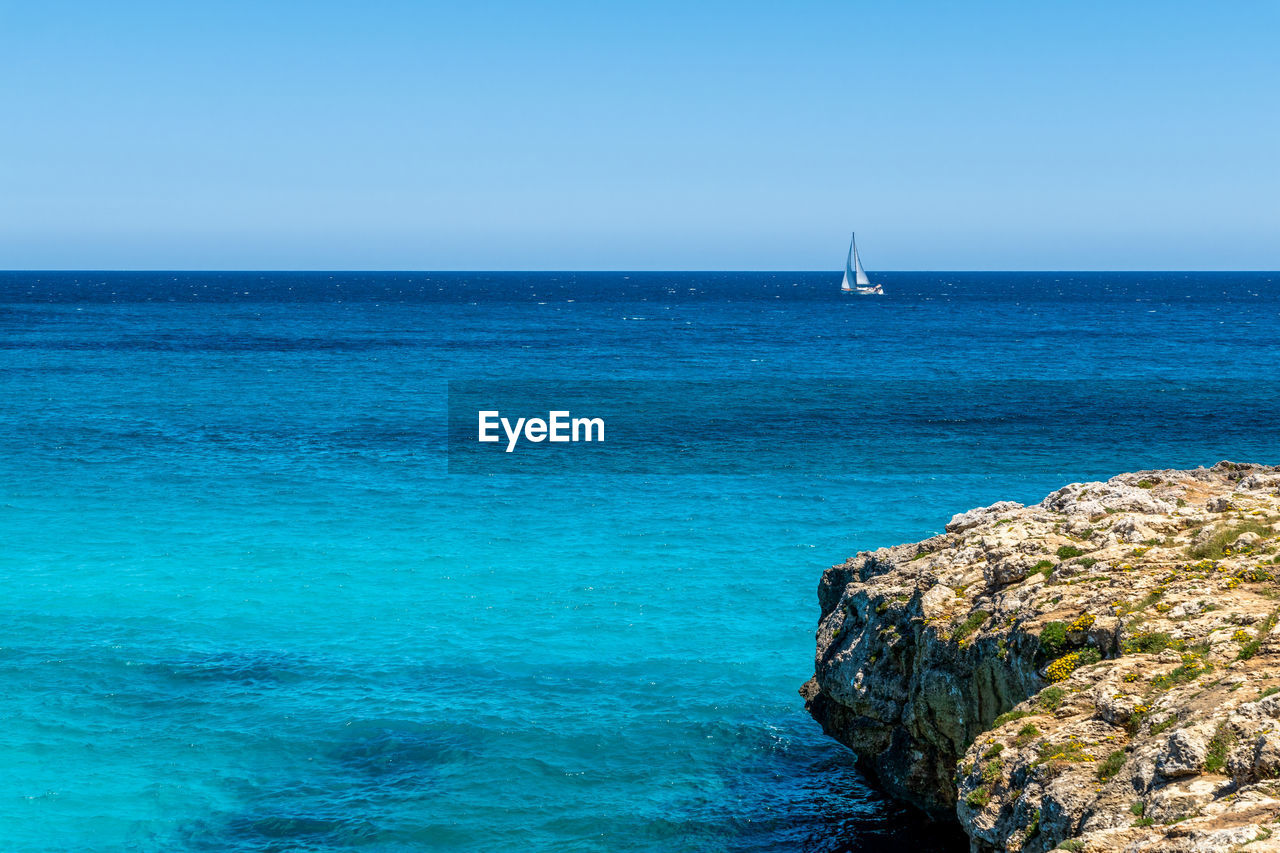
column 1097, row 672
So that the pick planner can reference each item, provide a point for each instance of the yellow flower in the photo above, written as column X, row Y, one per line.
column 1063, row 667
column 1083, row 623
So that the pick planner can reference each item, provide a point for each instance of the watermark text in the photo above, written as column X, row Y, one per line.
column 558, row 426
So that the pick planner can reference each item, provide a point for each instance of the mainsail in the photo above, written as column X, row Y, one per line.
column 857, row 265
column 853, row 272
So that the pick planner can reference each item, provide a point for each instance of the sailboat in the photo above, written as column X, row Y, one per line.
column 855, row 279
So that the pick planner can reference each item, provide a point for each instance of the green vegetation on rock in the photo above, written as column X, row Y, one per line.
column 1053, row 637
column 1215, row 759
column 1111, row 765
column 970, row 624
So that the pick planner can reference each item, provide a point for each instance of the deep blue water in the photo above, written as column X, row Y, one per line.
column 247, row 607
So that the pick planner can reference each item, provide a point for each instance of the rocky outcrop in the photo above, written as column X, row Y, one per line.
column 1097, row 672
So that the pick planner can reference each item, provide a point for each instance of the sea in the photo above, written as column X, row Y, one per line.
column 260, row 595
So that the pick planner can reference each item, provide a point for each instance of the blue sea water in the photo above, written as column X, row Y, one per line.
column 247, row 607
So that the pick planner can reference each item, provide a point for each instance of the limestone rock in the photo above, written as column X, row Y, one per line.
column 1097, row 669
column 1184, row 754
column 982, row 515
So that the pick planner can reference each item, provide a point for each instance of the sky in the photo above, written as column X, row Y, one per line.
column 632, row 136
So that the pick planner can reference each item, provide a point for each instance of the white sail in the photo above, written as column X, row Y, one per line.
column 849, row 275
column 857, row 265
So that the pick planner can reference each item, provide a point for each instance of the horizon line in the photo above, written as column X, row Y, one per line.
column 317, row 270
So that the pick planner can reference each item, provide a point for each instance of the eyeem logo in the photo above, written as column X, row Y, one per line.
column 558, row 427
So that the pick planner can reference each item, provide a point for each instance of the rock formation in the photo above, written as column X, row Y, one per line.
column 1098, row 672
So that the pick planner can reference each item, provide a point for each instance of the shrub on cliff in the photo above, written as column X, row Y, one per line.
column 1219, row 545
column 1050, row 698
column 1083, row 623
column 1215, row 760
column 1251, row 648
column 1149, row 642
column 1111, row 765
column 978, row 798
column 1067, row 664
column 1053, row 637
column 969, row 625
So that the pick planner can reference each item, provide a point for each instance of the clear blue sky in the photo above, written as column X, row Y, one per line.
column 649, row 135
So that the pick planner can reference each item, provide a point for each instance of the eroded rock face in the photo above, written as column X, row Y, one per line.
column 1096, row 669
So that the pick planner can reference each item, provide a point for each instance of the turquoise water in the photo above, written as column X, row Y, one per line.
column 248, row 608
